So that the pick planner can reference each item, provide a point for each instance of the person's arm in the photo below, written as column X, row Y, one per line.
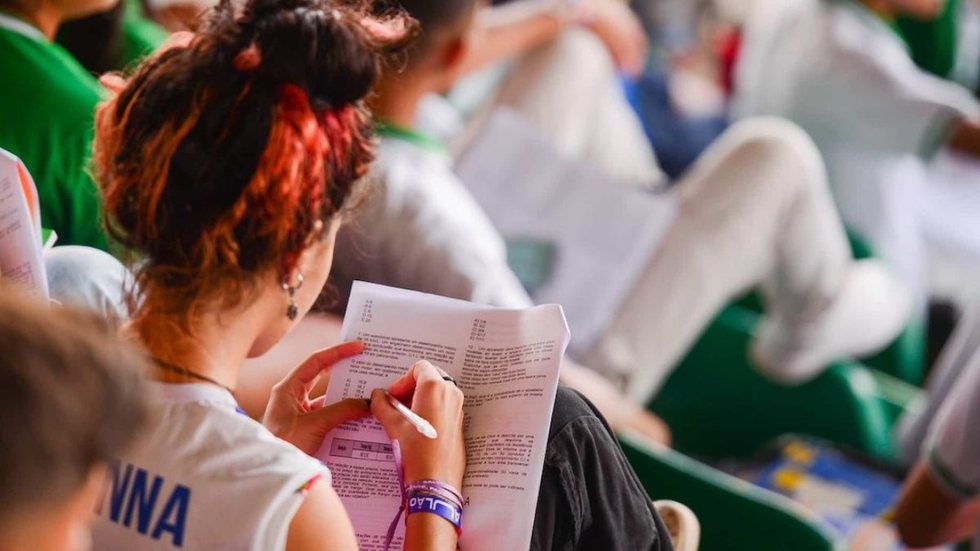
column 321, row 523
column 511, row 31
column 938, row 503
column 927, row 516
column 443, row 458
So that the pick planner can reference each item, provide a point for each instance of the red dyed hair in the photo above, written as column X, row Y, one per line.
column 219, row 157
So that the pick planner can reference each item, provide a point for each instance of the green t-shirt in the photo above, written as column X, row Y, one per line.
column 140, row 36
column 47, row 107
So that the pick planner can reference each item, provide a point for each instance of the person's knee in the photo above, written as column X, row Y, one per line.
column 576, row 54
column 778, row 140
column 89, row 279
column 570, row 405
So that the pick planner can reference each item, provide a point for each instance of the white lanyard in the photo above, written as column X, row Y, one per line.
column 20, row 27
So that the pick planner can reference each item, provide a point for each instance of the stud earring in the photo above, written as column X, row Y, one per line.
column 292, row 311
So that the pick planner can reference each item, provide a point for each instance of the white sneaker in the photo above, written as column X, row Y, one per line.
column 681, row 523
column 872, row 308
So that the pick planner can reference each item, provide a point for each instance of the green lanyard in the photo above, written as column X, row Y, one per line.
column 424, row 141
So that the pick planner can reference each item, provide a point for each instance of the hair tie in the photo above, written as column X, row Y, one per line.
column 248, row 59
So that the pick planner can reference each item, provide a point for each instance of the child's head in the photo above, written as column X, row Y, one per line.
column 444, row 36
column 70, row 402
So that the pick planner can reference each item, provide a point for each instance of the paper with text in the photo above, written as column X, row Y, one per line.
column 505, row 361
column 21, row 257
column 604, row 233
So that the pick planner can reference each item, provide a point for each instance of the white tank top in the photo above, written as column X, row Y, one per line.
column 204, row 477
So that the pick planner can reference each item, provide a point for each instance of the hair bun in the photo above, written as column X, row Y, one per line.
column 321, row 47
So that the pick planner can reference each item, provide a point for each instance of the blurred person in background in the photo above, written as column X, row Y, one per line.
column 112, row 40
column 840, row 70
column 940, row 501
column 70, row 403
column 47, row 105
column 755, row 210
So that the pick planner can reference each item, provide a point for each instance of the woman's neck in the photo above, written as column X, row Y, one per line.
column 213, row 346
column 45, row 18
column 396, row 100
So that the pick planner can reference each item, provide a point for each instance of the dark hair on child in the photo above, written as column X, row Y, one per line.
column 70, row 399
column 219, row 157
column 432, row 16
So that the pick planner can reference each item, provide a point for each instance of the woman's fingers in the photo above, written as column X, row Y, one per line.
column 307, row 374
column 390, row 418
column 339, row 413
column 420, row 371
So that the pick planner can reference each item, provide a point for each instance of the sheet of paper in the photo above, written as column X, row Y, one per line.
column 605, row 233
column 950, row 203
column 21, row 259
column 505, row 361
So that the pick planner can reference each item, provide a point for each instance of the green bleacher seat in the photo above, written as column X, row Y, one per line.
column 718, row 406
column 734, row 514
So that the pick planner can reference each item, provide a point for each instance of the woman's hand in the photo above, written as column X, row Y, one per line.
column 294, row 417
column 439, row 402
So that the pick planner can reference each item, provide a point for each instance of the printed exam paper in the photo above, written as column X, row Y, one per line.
column 505, row 361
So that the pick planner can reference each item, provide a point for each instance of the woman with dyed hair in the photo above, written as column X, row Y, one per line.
column 226, row 163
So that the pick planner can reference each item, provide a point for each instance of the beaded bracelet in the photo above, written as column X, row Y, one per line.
column 425, row 496
column 436, row 487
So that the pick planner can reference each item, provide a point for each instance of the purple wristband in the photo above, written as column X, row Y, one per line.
column 422, row 503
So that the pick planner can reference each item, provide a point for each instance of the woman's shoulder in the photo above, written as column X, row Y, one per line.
column 211, row 437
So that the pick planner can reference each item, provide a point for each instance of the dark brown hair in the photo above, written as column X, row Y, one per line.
column 218, row 158
column 70, row 399
column 432, row 16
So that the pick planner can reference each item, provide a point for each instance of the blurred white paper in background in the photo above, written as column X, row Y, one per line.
column 21, row 257
column 603, row 233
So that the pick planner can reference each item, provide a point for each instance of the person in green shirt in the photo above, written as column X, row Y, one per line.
column 47, row 107
column 113, row 40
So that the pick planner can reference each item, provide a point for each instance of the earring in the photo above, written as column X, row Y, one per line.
column 292, row 310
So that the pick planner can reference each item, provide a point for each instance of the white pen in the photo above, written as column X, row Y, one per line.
column 424, row 427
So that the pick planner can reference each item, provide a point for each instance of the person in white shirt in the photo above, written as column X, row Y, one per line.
column 940, row 501
column 839, row 70
column 754, row 211
column 225, row 163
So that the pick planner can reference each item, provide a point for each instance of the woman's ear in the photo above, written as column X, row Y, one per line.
column 318, row 249
column 455, row 53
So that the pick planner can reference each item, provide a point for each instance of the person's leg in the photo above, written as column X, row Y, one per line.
column 570, row 91
column 90, row 279
column 754, row 210
column 590, row 497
